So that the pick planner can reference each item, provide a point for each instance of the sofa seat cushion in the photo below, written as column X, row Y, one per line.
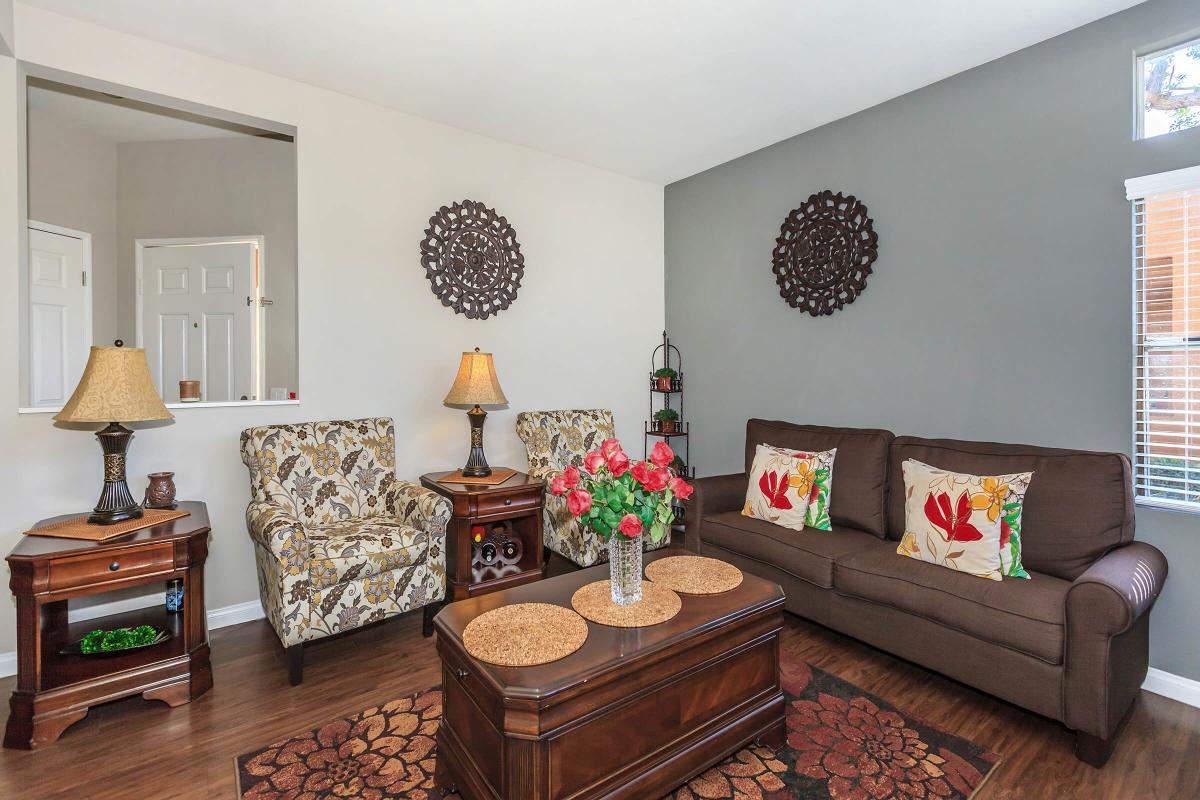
column 361, row 548
column 1026, row 616
column 808, row 554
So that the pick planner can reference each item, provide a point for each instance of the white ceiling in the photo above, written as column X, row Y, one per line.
column 118, row 123
column 655, row 89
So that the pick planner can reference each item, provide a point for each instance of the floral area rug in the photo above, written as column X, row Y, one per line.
column 842, row 743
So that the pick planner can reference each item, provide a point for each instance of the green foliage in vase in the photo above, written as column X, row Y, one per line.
column 613, row 495
column 665, row 372
column 666, row 413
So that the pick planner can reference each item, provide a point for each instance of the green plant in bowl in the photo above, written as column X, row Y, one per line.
column 99, row 641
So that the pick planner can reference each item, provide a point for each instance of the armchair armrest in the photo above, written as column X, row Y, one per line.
column 1118, row 589
column 274, row 528
column 713, row 495
column 417, row 506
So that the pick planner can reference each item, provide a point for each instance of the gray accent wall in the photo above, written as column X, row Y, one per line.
column 1000, row 307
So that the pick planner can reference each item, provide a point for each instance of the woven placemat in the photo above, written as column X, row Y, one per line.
column 524, row 634
column 594, row 602
column 80, row 528
column 694, row 574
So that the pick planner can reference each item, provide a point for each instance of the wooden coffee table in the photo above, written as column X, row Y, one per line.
column 633, row 713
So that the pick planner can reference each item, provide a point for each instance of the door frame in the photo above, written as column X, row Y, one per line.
column 85, row 239
column 258, row 321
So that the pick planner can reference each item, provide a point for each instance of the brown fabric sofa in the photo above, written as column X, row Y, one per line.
column 1071, row 643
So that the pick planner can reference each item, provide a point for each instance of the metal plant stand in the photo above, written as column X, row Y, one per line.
column 667, row 355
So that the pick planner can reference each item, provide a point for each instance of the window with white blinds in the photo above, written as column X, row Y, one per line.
column 1166, row 330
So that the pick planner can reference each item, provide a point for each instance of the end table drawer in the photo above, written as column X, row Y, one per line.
column 497, row 505
column 67, row 573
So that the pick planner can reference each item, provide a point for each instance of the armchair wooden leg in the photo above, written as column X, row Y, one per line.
column 295, row 662
column 429, row 613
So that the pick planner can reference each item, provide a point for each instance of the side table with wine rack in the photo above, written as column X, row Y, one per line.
column 494, row 539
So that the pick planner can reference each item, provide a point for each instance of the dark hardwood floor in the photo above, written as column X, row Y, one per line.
column 138, row 749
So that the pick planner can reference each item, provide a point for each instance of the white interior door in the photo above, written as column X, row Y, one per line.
column 60, row 310
column 198, row 314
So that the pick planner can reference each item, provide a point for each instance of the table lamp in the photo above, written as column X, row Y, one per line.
column 116, row 387
column 476, row 384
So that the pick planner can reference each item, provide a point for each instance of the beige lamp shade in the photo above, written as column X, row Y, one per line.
column 476, row 382
column 115, row 387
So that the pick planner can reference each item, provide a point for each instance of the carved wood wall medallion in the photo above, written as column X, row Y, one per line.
column 824, row 253
column 472, row 259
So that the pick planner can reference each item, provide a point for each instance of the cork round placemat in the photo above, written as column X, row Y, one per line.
column 694, row 574
column 524, row 634
column 594, row 602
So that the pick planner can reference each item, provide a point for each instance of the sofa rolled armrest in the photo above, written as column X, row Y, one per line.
column 277, row 530
column 1107, row 647
column 1117, row 589
column 713, row 495
column 417, row 506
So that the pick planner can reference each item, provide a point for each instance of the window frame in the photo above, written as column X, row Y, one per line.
column 1139, row 85
column 1138, row 190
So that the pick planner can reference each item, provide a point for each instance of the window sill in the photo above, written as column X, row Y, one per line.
column 1160, row 504
column 175, row 406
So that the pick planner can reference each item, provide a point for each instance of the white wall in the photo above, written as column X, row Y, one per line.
column 6, row 27
column 73, row 183
column 373, row 339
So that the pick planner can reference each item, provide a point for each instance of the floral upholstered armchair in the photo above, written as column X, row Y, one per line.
column 555, row 440
column 339, row 541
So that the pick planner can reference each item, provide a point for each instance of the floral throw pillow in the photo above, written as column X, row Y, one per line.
column 1010, row 524
column 815, row 475
column 776, row 493
column 952, row 519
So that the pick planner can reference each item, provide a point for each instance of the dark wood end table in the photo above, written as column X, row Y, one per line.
column 56, row 690
column 634, row 713
column 513, row 509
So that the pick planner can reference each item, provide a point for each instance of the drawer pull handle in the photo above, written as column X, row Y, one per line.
column 462, row 674
column 114, row 566
column 508, row 502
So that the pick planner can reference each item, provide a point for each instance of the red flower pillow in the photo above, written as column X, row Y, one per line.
column 778, row 491
column 952, row 519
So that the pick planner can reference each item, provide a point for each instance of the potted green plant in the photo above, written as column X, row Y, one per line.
column 668, row 420
column 664, row 378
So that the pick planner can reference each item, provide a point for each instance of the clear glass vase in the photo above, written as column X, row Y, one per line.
column 625, row 568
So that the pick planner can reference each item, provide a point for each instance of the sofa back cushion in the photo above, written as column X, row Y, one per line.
column 858, row 494
column 322, row 472
column 1078, row 507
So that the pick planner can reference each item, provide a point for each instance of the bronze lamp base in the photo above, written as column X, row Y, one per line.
column 477, row 466
column 116, row 503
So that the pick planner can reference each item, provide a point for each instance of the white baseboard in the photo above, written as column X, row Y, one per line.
column 235, row 614
column 217, row 618
column 1176, row 687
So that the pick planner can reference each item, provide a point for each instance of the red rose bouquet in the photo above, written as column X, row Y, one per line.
column 612, row 495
